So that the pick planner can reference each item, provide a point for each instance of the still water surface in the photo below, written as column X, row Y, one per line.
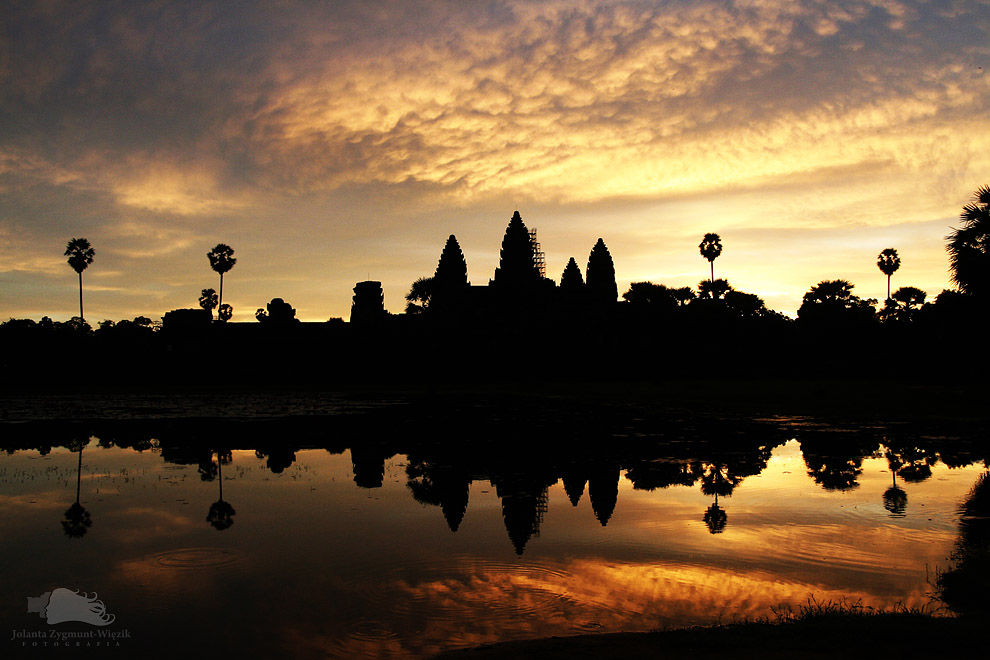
column 343, row 547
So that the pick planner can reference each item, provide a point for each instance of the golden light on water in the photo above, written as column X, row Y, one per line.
column 374, row 571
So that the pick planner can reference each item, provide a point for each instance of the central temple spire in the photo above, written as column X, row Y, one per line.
column 516, row 267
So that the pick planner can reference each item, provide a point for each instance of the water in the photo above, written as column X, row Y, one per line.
column 330, row 529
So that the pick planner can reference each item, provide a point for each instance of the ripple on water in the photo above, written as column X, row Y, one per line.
column 196, row 558
column 446, row 588
column 367, row 639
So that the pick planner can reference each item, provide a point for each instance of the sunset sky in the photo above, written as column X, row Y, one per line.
column 329, row 143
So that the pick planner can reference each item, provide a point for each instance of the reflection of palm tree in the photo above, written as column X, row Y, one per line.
column 77, row 518
column 80, row 254
column 716, row 518
column 221, row 514
column 711, row 247
column 888, row 262
column 894, row 498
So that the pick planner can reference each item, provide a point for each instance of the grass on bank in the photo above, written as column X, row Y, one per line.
column 815, row 630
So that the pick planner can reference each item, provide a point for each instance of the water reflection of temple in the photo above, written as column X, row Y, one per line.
column 523, row 453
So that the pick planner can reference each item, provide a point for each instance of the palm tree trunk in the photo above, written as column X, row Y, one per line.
column 220, row 299
column 712, row 264
column 888, row 287
column 79, row 476
column 80, row 298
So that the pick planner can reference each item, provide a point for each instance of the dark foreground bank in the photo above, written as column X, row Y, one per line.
column 906, row 635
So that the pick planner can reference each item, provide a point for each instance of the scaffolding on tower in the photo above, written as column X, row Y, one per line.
column 539, row 259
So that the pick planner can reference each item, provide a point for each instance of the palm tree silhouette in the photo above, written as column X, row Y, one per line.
column 221, row 260
column 420, row 294
column 711, row 247
column 969, row 246
column 80, row 254
column 888, row 262
column 208, row 300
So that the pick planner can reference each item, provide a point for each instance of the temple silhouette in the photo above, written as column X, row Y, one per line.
column 519, row 288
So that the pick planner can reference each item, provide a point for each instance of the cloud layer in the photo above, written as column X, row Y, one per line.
column 336, row 143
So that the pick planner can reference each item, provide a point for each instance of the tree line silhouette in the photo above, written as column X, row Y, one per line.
column 521, row 317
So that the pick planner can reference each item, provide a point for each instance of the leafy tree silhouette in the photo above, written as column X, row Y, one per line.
column 969, row 246
column 904, row 305
column 888, row 262
column 710, row 247
column 713, row 289
column 832, row 301
column 80, row 255
column 909, row 296
column 208, row 300
column 225, row 312
column 221, row 260
column 747, row 305
column 420, row 295
column 836, row 463
column 648, row 293
column 601, row 285
column 684, row 295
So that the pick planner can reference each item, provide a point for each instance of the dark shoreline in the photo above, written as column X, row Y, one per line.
column 818, row 637
column 851, row 398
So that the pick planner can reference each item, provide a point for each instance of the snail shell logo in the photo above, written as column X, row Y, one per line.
column 61, row 605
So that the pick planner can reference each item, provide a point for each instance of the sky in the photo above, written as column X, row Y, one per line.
column 335, row 142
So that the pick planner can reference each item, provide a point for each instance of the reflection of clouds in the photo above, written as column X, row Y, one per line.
column 482, row 603
column 154, row 523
